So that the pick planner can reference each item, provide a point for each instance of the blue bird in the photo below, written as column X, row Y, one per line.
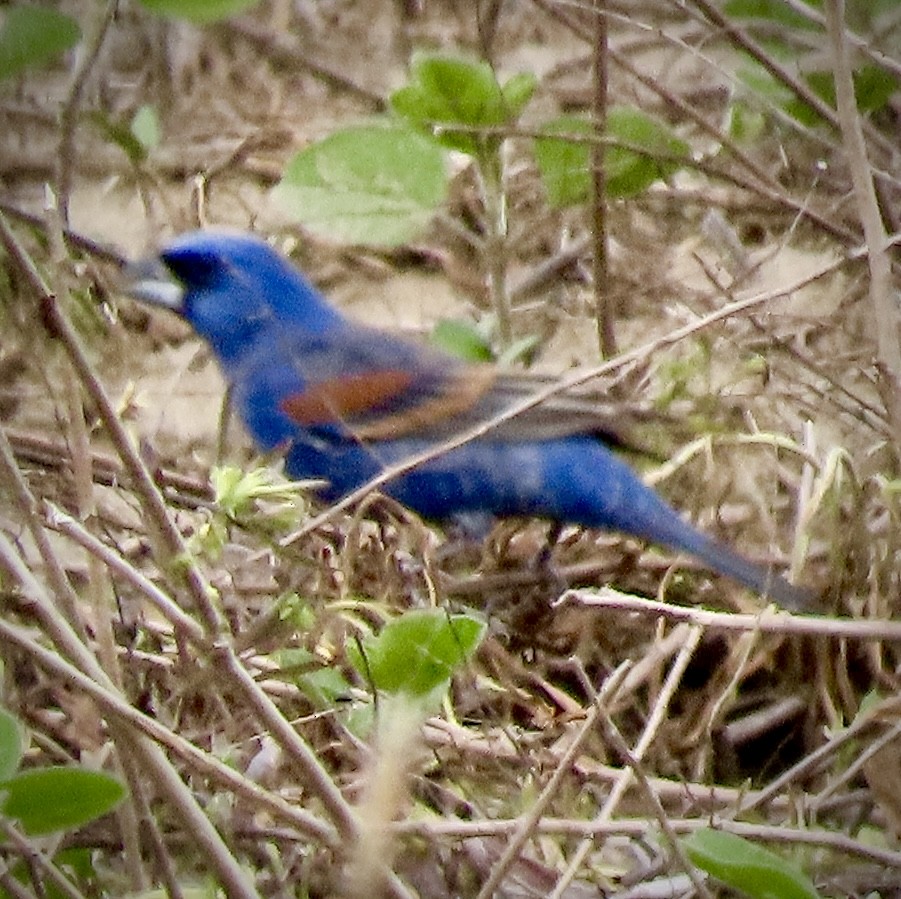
column 345, row 401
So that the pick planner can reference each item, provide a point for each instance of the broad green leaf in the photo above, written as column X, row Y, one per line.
column 49, row 799
column 463, row 339
column 873, row 87
column 10, row 744
column 446, row 91
column 628, row 172
column 368, row 184
column 200, row 11
column 32, row 36
column 747, row 867
column 564, row 162
column 417, row 653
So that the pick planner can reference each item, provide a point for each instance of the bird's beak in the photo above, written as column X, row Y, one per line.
column 151, row 282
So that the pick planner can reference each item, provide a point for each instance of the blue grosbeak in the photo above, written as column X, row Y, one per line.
column 345, row 401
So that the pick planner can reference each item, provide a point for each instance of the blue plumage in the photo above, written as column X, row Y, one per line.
column 346, row 401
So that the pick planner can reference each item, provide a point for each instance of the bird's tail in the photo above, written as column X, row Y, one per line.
column 760, row 578
column 608, row 494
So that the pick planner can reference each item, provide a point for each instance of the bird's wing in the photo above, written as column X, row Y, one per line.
column 384, row 404
column 380, row 387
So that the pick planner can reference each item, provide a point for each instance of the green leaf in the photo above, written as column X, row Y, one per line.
column 463, row 339
column 517, row 92
column 565, row 164
column 200, row 11
column 417, row 653
column 630, row 173
column 747, row 867
column 521, row 350
column 145, row 126
column 873, row 87
column 78, row 861
column 296, row 611
column 236, row 490
column 445, row 91
column 121, row 135
column 33, row 36
column 49, row 799
column 10, row 744
column 324, row 687
column 745, row 123
column 373, row 184
column 776, row 12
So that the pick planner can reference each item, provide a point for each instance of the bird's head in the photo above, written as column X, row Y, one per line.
column 231, row 287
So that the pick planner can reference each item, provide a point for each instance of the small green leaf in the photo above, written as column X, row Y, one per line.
column 374, row 184
column 10, row 744
column 748, row 867
column 145, row 126
column 324, row 687
column 33, row 36
column 297, row 611
column 463, row 339
column 871, row 699
column 521, row 350
column 200, row 11
column 236, row 490
column 417, row 653
column 79, row 860
column 49, row 799
column 121, row 135
column 745, row 123
column 446, row 91
column 293, row 657
column 517, row 92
